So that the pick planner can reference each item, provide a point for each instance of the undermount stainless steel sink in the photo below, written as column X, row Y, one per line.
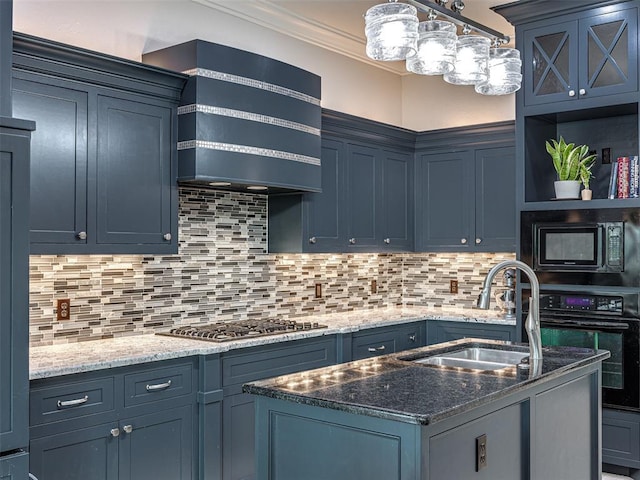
column 476, row 358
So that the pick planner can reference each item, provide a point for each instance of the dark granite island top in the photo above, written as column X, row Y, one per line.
column 392, row 408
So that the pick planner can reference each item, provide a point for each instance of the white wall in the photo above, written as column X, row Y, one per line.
column 130, row 28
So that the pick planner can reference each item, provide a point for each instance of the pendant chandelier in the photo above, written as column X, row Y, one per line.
column 433, row 47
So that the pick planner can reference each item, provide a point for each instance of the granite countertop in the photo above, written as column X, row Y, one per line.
column 69, row 358
column 392, row 388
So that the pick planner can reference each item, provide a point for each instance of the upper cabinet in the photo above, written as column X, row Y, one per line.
column 366, row 203
column 580, row 67
column 594, row 55
column 6, row 45
column 104, row 151
column 465, row 195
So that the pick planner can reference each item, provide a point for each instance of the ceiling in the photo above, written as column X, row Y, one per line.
column 338, row 25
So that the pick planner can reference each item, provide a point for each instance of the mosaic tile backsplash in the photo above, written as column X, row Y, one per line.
column 223, row 273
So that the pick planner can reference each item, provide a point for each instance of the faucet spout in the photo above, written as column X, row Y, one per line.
column 532, row 323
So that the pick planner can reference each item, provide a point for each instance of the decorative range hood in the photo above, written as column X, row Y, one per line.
column 245, row 121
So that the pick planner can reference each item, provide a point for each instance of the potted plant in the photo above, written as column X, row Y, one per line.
column 585, row 176
column 571, row 162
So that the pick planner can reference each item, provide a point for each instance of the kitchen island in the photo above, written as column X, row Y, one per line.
column 392, row 418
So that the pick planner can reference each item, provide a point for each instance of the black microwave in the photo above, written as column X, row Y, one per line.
column 578, row 247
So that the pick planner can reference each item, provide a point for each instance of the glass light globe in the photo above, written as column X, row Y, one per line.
column 436, row 52
column 392, row 31
column 504, row 72
column 472, row 58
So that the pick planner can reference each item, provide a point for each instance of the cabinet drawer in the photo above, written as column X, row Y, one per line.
column 621, row 438
column 390, row 340
column 279, row 359
column 14, row 467
column 158, row 384
column 71, row 400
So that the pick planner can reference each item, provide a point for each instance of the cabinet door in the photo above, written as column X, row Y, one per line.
column 495, row 215
column 362, row 183
column 550, row 64
column 325, row 213
column 134, row 178
column 15, row 466
column 158, row 445
column 58, row 162
column 238, row 437
column 14, row 290
column 444, row 201
column 76, row 455
column 396, row 225
column 609, row 53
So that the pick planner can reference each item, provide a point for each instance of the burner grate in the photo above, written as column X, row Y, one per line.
column 221, row 332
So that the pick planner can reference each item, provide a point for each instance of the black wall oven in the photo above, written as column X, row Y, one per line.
column 601, row 319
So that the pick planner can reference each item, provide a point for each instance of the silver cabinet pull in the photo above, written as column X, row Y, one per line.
column 412, row 337
column 128, row 428
column 376, row 349
column 159, row 386
column 478, row 241
column 73, row 403
column 114, row 432
column 352, row 241
column 582, row 91
column 81, row 235
column 167, row 236
column 312, row 240
column 387, row 241
column 463, row 241
column 572, row 93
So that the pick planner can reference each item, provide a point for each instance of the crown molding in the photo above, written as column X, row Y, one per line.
column 300, row 27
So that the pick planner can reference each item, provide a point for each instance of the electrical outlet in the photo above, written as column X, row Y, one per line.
column 63, row 311
column 318, row 290
column 606, row 155
column 453, row 286
column 481, row 452
column 374, row 286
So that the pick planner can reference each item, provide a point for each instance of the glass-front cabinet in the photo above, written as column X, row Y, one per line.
column 585, row 58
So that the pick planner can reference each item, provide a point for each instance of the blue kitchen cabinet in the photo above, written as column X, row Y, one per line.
column 621, row 438
column 378, row 341
column 465, row 196
column 14, row 466
column 129, row 423
column 104, row 155
column 366, row 204
column 439, row 331
column 210, row 397
column 59, row 155
column 245, row 365
column 585, row 56
column 6, row 47
column 14, row 292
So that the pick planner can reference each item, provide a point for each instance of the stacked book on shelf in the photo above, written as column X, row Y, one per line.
column 624, row 178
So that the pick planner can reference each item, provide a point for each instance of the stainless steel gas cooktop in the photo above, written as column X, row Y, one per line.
column 223, row 332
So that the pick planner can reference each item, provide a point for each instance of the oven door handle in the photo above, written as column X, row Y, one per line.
column 586, row 324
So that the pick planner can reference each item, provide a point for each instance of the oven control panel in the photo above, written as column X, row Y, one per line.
column 580, row 302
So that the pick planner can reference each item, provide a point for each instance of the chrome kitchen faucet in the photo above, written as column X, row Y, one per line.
column 532, row 324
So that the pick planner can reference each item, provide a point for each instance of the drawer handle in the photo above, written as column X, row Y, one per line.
column 378, row 349
column 159, row 386
column 73, row 403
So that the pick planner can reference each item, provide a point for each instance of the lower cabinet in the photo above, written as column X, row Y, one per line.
column 621, row 438
column 439, row 331
column 134, row 423
column 246, row 365
column 14, row 466
column 384, row 340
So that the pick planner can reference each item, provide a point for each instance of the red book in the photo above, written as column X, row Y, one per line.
column 623, row 177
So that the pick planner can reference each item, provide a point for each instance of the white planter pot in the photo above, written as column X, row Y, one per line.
column 567, row 188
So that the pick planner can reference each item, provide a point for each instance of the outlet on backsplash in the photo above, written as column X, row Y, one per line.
column 318, row 290
column 63, row 311
column 453, row 286
column 374, row 286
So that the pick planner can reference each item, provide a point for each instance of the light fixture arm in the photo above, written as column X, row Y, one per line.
column 426, row 5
